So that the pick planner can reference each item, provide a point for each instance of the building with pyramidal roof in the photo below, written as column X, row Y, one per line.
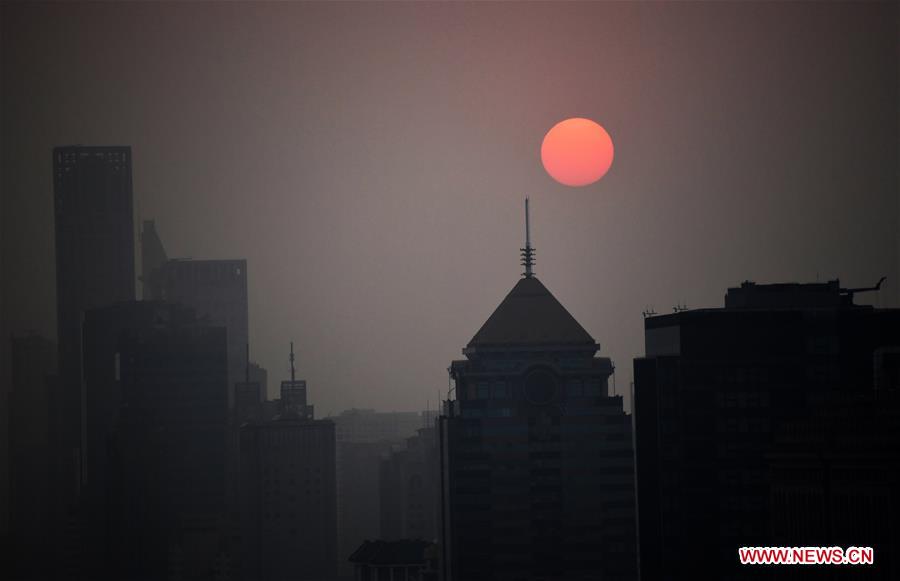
column 537, row 461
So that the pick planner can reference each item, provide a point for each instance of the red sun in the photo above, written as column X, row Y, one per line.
column 577, row 152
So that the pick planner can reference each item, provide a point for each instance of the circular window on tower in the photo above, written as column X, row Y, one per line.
column 540, row 386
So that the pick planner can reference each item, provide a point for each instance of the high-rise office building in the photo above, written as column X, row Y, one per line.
column 94, row 265
column 156, row 418
column 536, row 457
column 215, row 289
column 729, row 403
column 288, row 504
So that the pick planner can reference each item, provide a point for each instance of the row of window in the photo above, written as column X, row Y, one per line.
column 502, row 390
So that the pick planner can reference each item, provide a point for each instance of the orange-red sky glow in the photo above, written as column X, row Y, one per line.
column 577, row 152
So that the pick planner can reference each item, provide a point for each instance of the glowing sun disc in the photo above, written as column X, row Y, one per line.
column 577, row 152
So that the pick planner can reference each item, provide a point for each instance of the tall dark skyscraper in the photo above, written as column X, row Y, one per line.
column 755, row 426
column 155, row 461
column 94, row 264
column 537, row 458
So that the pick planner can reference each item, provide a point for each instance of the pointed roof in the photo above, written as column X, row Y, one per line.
column 530, row 315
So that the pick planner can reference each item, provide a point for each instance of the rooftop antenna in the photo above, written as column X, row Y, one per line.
column 292, row 362
column 528, row 251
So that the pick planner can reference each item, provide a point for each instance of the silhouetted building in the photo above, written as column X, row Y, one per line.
column 33, row 403
column 537, row 458
column 248, row 402
column 358, row 500
column 834, row 478
column 364, row 436
column 215, row 289
column 94, row 267
column 366, row 425
column 153, row 258
column 156, row 418
column 289, row 513
column 409, row 485
column 717, row 398
column 399, row 560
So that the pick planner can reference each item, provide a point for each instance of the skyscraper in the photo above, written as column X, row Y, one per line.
column 156, row 416
column 536, row 456
column 94, row 264
column 215, row 289
column 740, row 413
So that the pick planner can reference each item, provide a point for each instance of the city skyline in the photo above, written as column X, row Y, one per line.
column 752, row 142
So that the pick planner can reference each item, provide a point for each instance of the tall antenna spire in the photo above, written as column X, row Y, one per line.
column 292, row 362
column 528, row 251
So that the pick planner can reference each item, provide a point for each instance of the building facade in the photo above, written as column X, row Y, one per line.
column 536, row 457
column 409, row 484
column 289, row 510
column 94, row 227
column 215, row 289
column 156, row 434
column 722, row 398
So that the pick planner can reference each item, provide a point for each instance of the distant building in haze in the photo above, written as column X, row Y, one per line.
column 215, row 289
column 94, row 227
column 358, row 500
column 366, row 425
column 288, row 497
column 364, row 437
column 249, row 395
column 537, row 458
column 156, row 418
column 751, row 426
column 409, row 489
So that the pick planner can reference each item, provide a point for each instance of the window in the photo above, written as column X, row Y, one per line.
column 482, row 391
column 499, row 390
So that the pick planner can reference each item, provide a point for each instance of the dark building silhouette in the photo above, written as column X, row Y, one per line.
column 293, row 401
column 359, row 505
column 741, row 414
column 364, row 437
column 288, row 519
column 94, row 268
column 156, row 418
column 250, row 394
column 400, row 560
column 834, row 478
column 409, row 489
column 215, row 289
column 537, row 458
column 33, row 433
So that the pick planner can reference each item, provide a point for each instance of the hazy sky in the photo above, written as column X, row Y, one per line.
column 370, row 161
